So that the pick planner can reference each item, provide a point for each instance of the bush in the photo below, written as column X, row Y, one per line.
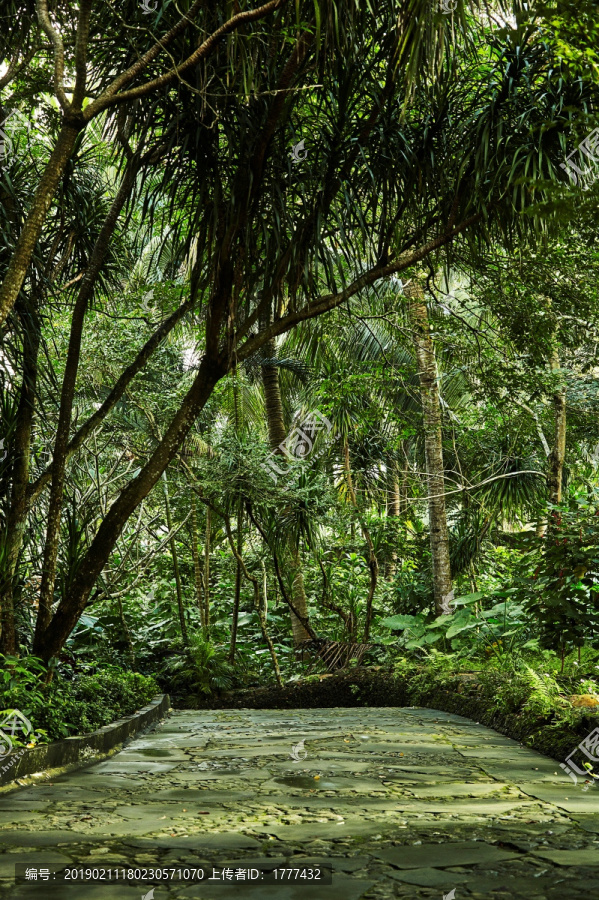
column 562, row 596
column 531, row 691
column 203, row 669
column 76, row 706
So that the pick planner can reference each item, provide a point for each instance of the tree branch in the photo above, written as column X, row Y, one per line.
column 331, row 301
column 110, row 97
column 56, row 41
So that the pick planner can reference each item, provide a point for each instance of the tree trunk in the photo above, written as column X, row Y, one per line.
column 197, row 574
column 173, row 546
column 71, row 606
column 59, row 456
column 36, row 215
column 236, row 601
column 257, row 604
column 558, row 451
column 431, row 413
column 235, row 615
column 276, row 436
column 272, row 399
column 393, row 511
column 207, row 569
column 20, row 451
column 372, row 561
column 126, row 631
column 299, row 597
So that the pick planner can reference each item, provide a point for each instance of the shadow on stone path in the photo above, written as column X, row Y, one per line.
column 399, row 802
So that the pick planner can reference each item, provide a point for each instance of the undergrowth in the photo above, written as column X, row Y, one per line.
column 74, row 702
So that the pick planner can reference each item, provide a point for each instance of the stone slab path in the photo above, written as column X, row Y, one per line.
column 399, row 803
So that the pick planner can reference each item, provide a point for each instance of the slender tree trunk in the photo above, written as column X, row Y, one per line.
column 114, row 396
column 372, row 561
column 173, row 546
column 197, row 574
column 36, row 215
column 207, row 568
column 431, row 413
column 299, row 596
column 393, row 511
column 236, row 601
column 126, row 631
column 290, row 603
column 20, row 452
column 59, row 456
column 272, row 398
column 257, row 604
column 71, row 606
column 558, row 451
column 472, row 574
column 276, row 436
column 235, row 615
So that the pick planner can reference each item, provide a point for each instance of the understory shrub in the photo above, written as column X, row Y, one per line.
column 72, row 703
column 203, row 668
column 528, row 691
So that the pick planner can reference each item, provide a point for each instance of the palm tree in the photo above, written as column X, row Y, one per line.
column 407, row 152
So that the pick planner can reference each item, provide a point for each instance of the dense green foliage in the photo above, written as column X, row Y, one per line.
column 299, row 342
column 75, row 702
column 530, row 695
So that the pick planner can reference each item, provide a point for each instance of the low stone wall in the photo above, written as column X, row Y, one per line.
column 80, row 750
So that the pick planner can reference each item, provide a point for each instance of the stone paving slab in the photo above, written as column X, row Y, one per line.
column 570, row 857
column 566, row 796
column 403, row 803
column 427, row 877
column 442, row 855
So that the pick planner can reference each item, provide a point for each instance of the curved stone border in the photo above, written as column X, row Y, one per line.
column 80, row 750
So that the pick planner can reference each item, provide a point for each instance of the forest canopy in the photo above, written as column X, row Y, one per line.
column 299, row 334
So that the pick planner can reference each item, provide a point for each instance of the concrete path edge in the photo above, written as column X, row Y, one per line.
column 79, row 750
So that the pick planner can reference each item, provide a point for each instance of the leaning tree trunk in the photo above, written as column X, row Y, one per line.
column 61, row 441
column 276, row 436
column 431, row 413
column 558, row 451
column 212, row 368
column 36, row 215
column 11, row 539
